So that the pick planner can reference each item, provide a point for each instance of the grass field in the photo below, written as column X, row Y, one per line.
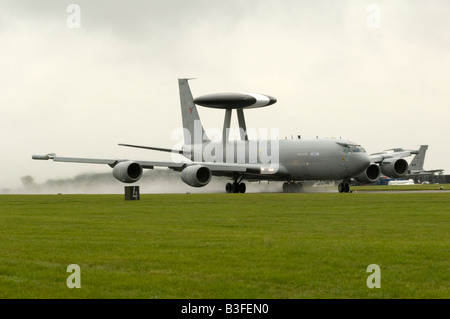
column 225, row 245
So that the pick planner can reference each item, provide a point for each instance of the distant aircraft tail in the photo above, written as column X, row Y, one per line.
column 419, row 159
column 193, row 128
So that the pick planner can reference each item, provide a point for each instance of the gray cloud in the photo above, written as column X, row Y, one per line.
column 79, row 92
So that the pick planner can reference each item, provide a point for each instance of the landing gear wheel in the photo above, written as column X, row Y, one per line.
column 235, row 187
column 292, row 187
column 344, row 188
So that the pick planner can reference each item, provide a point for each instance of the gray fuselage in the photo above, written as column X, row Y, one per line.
column 294, row 159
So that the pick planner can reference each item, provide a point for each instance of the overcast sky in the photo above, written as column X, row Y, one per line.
column 81, row 91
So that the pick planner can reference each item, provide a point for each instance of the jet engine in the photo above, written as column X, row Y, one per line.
column 196, row 175
column 128, row 172
column 394, row 167
column 370, row 175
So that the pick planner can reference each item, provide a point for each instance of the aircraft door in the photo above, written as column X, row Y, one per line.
column 344, row 158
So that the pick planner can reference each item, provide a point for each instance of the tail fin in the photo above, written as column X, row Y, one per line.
column 419, row 159
column 191, row 119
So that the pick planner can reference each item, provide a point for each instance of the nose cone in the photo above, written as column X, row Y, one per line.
column 358, row 163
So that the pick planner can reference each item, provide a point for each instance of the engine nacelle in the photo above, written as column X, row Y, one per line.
column 196, row 175
column 128, row 172
column 371, row 174
column 394, row 167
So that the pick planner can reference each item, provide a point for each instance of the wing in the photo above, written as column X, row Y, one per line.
column 392, row 153
column 110, row 162
column 217, row 169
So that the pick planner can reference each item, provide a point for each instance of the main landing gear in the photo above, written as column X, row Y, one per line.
column 237, row 186
column 292, row 187
column 344, row 187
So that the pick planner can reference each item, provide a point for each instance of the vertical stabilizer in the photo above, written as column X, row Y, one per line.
column 193, row 128
column 419, row 159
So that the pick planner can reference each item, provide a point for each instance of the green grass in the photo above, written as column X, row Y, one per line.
column 225, row 245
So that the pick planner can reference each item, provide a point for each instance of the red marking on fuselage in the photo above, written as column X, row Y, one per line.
column 190, row 109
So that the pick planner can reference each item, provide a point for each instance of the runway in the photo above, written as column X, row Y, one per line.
column 403, row 191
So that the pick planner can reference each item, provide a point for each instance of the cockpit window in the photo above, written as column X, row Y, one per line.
column 355, row 149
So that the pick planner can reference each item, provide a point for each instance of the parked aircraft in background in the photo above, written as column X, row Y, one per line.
column 416, row 165
column 289, row 161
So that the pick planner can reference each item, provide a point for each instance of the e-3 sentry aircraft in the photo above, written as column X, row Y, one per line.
column 289, row 161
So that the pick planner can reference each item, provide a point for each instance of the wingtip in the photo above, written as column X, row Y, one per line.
column 44, row 157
